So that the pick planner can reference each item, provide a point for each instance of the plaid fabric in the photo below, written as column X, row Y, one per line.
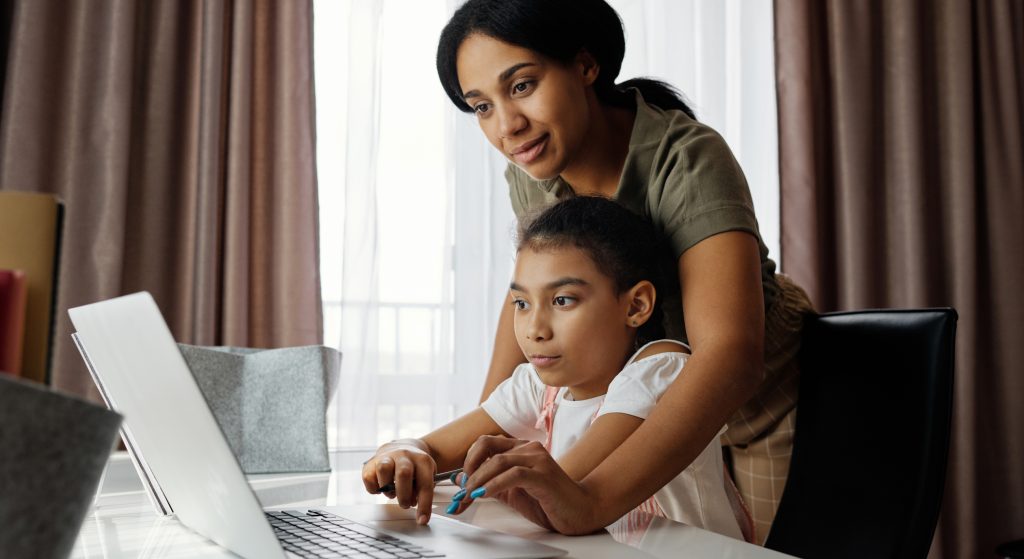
column 760, row 435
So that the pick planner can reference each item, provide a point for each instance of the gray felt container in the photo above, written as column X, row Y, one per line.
column 53, row 449
column 270, row 403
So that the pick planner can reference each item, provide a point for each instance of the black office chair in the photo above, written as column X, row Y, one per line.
column 872, row 435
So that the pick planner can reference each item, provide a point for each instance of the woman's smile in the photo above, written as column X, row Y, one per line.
column 528, row 152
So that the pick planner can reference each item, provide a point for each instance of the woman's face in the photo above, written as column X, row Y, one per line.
column 533, row 109
column 569, row 321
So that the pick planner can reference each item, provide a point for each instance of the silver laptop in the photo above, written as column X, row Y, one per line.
column 127, row 344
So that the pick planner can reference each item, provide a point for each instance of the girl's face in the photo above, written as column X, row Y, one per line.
column 569, row 322
column 534, row 110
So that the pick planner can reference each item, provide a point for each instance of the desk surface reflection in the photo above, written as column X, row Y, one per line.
column 123, row 523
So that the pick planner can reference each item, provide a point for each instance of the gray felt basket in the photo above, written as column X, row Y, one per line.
column 53, row 448
column 270, row 403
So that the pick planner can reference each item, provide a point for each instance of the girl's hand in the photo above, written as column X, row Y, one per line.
column 410, row 468
column 525, row 477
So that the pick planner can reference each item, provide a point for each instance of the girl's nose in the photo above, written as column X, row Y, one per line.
column 538, row 329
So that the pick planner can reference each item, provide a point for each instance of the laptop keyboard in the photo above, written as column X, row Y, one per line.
column 315, row 533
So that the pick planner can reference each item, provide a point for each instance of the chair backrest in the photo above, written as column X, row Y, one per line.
column 30, row 239
column 872, row 435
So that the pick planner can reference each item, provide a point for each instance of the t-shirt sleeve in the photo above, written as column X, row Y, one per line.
column 520, row 204
column 515, row 404
column 637, row 388
column 702, row 191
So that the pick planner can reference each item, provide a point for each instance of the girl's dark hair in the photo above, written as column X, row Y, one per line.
column 557, row 29
column 622, row 245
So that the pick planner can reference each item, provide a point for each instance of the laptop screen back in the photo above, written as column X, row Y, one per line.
column 146, row 379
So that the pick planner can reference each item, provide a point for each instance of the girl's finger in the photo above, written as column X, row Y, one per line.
column 369, row 475
column 385, row 471
column 404, row 472
column 424, row 492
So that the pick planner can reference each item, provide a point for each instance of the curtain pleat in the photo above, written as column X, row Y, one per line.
column 180, row 136
column 901, row 145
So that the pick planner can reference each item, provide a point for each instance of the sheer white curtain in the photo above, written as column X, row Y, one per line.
column 386, row 216
column 416, row 234
column 721, row 55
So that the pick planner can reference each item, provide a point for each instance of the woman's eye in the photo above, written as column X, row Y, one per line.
column 482, row 108
column 521, row 87
column 519, row 304
column 562, row 301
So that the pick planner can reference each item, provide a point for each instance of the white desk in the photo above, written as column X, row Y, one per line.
column 123, row 523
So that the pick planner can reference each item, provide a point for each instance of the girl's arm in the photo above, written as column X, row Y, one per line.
column 411, row 463
column 722, row 294
column 507, row 355
column 449, row 444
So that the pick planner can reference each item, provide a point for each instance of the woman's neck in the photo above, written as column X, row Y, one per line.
column 598, row 167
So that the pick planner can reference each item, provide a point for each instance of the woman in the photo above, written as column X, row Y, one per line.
column 540, row 77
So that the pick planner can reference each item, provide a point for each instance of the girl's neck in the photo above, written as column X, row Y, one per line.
column 599, row 386
column 597, row 169
column 582, row 394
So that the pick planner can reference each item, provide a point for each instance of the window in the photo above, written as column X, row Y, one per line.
column 416, row 224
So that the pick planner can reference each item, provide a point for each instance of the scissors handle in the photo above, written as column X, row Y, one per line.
column 450, row 475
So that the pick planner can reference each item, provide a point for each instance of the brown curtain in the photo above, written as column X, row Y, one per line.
column 902, row 160
column 180, row 136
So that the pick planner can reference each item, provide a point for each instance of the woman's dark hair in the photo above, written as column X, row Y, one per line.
column 622, row 245
column 557, row 29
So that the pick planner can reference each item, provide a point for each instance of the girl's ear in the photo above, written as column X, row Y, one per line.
column 641, row 303
column 588, row 66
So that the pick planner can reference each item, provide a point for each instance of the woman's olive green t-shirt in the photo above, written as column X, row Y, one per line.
column 679, row 174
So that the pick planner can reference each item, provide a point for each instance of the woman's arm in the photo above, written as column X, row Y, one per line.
column 724, row 313
column 507, row 354
column 607, row 432
column 603, row 437
column 722, row 294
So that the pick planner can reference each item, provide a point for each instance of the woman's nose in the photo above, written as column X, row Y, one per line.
column 510, row 120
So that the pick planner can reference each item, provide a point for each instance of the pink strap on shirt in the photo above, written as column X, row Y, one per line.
column 546, row 420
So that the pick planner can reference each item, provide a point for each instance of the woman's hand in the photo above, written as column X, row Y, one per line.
column 409, row 467
column 525, row 477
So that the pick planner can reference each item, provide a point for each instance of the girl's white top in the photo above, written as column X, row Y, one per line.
column 696, row 496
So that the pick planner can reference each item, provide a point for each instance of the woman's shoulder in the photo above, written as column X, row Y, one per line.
column 681, row 162
column 674, row 133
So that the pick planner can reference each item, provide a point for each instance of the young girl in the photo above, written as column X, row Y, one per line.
column 588, row 319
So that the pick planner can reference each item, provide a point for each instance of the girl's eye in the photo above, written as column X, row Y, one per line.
column 562, row 301
column 482, row 108
column 519, row 304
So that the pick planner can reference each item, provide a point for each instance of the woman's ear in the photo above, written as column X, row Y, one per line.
column 588, row 66
column 641, row 303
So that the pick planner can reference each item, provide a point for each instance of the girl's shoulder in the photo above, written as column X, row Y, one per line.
column 659, row 347
column 666, row 348
column 526, row 381
column 649, row 372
